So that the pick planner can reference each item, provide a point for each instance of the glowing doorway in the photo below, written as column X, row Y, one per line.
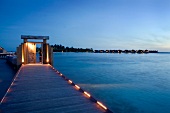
column 31, row 49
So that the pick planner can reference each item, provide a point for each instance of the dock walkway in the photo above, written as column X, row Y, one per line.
column 38, row 89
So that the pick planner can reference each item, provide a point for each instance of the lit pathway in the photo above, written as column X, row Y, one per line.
column 39, row 89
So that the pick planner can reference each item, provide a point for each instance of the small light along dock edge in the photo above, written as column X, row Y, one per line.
column 40, row 88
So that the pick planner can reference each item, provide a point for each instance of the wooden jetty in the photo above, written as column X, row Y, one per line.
column 4, row 55
column 38, row 88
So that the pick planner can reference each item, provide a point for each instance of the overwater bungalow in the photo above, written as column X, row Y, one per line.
column 96, row 51
column 133, row 51
column 102, row 51
column 119, row 51
column 2, row 50
column 140, row 51
column 146, row 51
column 107, row 51
column 111, row 51
column 127, row 51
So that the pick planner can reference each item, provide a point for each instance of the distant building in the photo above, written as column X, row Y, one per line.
column 2, row 50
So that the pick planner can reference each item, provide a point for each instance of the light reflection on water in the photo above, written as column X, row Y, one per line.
column 135, row 83
column 105, row 85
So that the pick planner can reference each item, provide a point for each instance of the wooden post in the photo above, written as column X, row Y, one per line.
column 25, row 40
column 51, row 55
column 44, row 53
column 25, row 55
column 19, row 56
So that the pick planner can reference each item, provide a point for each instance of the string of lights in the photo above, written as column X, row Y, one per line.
column 88, row 95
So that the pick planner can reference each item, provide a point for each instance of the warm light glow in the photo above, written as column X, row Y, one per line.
column 70, row 81
column 34, row 64
column 100, row 104
column 61, row 74
column 87, row 94
column 8, row 90
column 31, row 46
column 22, row 53
column 77, row 86
column 47, row 55
column 2, row 99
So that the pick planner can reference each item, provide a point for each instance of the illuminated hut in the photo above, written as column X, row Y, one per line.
column 26, row 52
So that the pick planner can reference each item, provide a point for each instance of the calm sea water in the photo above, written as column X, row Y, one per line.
column 126, row 83
column 6, row 76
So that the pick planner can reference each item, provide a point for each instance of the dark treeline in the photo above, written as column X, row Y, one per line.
column 60, row 48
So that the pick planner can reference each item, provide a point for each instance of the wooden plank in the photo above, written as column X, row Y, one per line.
column 38, row 89
column 34, row 37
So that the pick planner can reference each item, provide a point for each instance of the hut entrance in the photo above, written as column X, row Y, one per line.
column 31, row 52
column 28, row 52
column 39, row 53
column 34, row 52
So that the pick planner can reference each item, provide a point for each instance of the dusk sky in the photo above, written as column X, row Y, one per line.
column 97, row 24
